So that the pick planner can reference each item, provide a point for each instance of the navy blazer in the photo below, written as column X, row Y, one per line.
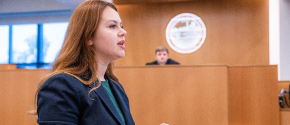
column 64, row 100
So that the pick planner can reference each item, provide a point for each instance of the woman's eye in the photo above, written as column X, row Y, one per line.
column 112, row 26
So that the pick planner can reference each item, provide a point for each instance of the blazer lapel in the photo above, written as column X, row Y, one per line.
column 101, row 92
column 119, row 96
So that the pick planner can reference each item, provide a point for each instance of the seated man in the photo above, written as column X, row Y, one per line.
column 162, row 57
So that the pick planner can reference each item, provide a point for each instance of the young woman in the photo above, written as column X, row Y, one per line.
column 82, row 89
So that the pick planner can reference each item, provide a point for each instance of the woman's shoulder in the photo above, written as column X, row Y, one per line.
column 61, row 80
column 64, row 76
column 61, row 75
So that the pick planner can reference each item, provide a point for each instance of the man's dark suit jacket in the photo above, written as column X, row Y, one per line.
column 168, row 62
column 64, row 100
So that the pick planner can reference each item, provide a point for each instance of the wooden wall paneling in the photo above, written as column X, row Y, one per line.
column 285, row 116
column 176, row 95
column 253, row 97
column 7, row 66
column 17, row 94
column 237, row 32
column 284, row 85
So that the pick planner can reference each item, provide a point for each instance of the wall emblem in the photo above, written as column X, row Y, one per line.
column 185, row 33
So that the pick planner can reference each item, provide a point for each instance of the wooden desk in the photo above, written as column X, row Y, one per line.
column 202, row 94
column 176, row 95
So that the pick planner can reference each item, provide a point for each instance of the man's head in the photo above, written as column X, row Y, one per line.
column 161, row 55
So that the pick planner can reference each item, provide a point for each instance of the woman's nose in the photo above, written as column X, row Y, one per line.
column 123, row 32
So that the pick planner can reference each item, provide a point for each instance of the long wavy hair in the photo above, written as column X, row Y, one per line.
column 76, row 57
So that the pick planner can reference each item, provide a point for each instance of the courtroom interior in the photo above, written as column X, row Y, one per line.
column 230, row 79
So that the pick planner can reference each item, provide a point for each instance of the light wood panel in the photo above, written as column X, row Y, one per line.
column 284, row 85
column 176, row 95
column 285, row 117
column 237, row 32
column 17, row 95
column 7, row 66
column 169, row 94
column 253, row 97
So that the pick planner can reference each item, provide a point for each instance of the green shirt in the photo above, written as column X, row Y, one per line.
column 109, row 92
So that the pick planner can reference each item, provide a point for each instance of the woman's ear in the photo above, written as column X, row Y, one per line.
column 91, row 42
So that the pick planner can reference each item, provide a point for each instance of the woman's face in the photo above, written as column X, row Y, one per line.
column 109, row 38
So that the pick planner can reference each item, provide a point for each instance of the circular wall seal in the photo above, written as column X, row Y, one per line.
column 185, row 33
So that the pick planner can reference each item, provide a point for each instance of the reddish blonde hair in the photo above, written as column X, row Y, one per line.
column 76, row 57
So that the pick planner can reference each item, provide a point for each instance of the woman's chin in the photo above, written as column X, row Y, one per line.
column 122, row 55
